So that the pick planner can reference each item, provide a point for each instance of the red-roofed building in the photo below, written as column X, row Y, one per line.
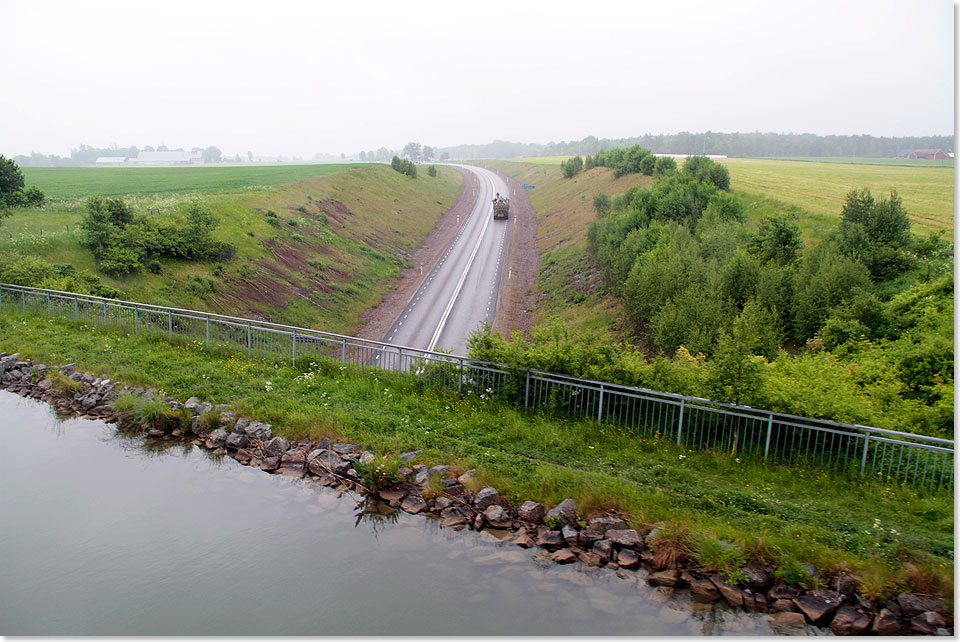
column 932, row 154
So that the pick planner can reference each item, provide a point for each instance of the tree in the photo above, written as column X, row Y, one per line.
column 212, row 155
column 97, row 226
column 412, row 151
column 572, row 166
column 11, row 183
column 444, row 156
column 200, row 222
column 250, row 156
column 363, row 157
column 427, row 153
column 601, row 203
column 777, row 240
column 432, row 171
column 876, row 233
column 737, row 375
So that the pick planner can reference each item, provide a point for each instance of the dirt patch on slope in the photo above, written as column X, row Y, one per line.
column 516, row 302
column 375, row 322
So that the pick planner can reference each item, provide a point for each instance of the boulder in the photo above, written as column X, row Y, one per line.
column 409, row 456
column 570, row 535
column 343, row 448
column 885, row 623
column 849, row 621
column 784, row 606
column 757, row 578
column 241, row 424
column 782, row 591
column 603, row 548
column 454, row 490
column 217, row 438
column 912, row 605
column 270, row 464
column 704, row 591
column 844, row 583
column 603, row 523
column 591, row 559
column 497, row 517
column 550, row 538
column 203, row 408
column 486, row 497
column 819, row 605
column 786, row 623
column 413, row 503
column 566, row 510
column 441, row 503
column 625, row 538
column 665, row 578
column 927, row 623
column 563, row 556
column 439, row 471
column 392, row 495
column 524, row 541
column 277, row 446
column 452, row 517
column 236, row 440
column 592, row 533
column 261, row 431
column 367, row 458
column 467, row 477
column 532, row 512
column 191, row 404
column 321, row 462
column 731, row 594
column 628, row 558
column 343, row 467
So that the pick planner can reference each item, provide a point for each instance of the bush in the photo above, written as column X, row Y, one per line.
column 153, row 266
column 404, row 166
column 33, row 197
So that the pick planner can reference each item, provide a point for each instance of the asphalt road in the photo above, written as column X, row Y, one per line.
column 460, row 291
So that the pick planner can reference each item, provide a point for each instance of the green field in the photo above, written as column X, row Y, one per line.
column 79, row 182
column 343, row 234
column 866, row 160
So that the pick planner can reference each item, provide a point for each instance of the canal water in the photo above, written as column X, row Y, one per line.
column 108, row 534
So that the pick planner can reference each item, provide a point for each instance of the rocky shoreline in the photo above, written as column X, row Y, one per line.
column 562, row 535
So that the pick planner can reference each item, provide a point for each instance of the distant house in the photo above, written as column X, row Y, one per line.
column 167, row 158
column 930, row 154
column 110, row 161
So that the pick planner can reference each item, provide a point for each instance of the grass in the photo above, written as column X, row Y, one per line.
column 893, row 537
column 341, row 236
column 820, row 187
column 869, row 160
column 80, row 182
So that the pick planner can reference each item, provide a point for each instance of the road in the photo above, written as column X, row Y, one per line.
column 459, row 293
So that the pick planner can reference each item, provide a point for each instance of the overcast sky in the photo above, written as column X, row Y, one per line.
column 298, row 78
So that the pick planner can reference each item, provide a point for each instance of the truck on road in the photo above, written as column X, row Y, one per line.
column 501, row 207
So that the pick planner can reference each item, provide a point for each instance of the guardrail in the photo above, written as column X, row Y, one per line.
column 690, row 422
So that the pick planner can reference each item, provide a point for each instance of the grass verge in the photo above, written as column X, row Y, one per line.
column 892, row 538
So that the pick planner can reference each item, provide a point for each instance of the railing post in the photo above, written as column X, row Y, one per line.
column 343, row 353
column 76, row 309
column 23, row 299
column 766, row 448
column 104, row 315
column 600, row 408
column 399, row 359
column 249, row 339
column 863, row 461
column 208, row 330
column 48, row 305
column 170, row 325
column 683, row 403
column 526, row 397
column 460, row 379
column 136, row 320
column 294, row 346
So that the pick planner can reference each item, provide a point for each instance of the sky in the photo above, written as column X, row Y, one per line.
column 298, row 78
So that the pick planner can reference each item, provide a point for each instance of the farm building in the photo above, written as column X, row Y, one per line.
column 110, row 161
column 167, row 158
column 931, row 154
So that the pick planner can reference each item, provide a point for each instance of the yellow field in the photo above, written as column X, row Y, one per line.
column 820, row 188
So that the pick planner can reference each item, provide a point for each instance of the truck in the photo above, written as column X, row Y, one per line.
column 501, row 207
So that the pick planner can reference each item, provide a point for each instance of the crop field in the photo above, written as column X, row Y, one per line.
column 820, row 187
column 867, row 160
column 80, row 182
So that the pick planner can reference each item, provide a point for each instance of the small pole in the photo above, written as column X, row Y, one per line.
column 510, row 273
column 399, row 359
column 683, row 403
column 526, row 397
column 460, row 379
column 48, row 304
column 343, row 353
column 136, row 320
column 208, row 329
column 294, row 346
column 766, row 449
column 76, row 309
column 170, row 325
column 863, row 462
column 600, row 405
column 249, row 339
column 23, row 299
column 421, row 268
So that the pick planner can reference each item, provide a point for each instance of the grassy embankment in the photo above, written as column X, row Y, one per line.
column 569, row 288
column 890, row 537
column 344, row 231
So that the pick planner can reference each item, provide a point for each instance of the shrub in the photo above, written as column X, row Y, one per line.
column 379, row 473
column 153, row 266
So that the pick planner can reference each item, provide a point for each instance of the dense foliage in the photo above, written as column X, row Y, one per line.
column 856, row 328
column 404, row 166
column 12, row 192
column 124, row 242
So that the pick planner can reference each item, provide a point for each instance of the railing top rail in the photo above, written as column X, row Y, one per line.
column 580, row 381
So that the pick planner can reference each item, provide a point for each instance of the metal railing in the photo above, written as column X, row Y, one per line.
column 689, row 422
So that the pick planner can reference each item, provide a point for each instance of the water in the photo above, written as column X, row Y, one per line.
column 106, row 534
